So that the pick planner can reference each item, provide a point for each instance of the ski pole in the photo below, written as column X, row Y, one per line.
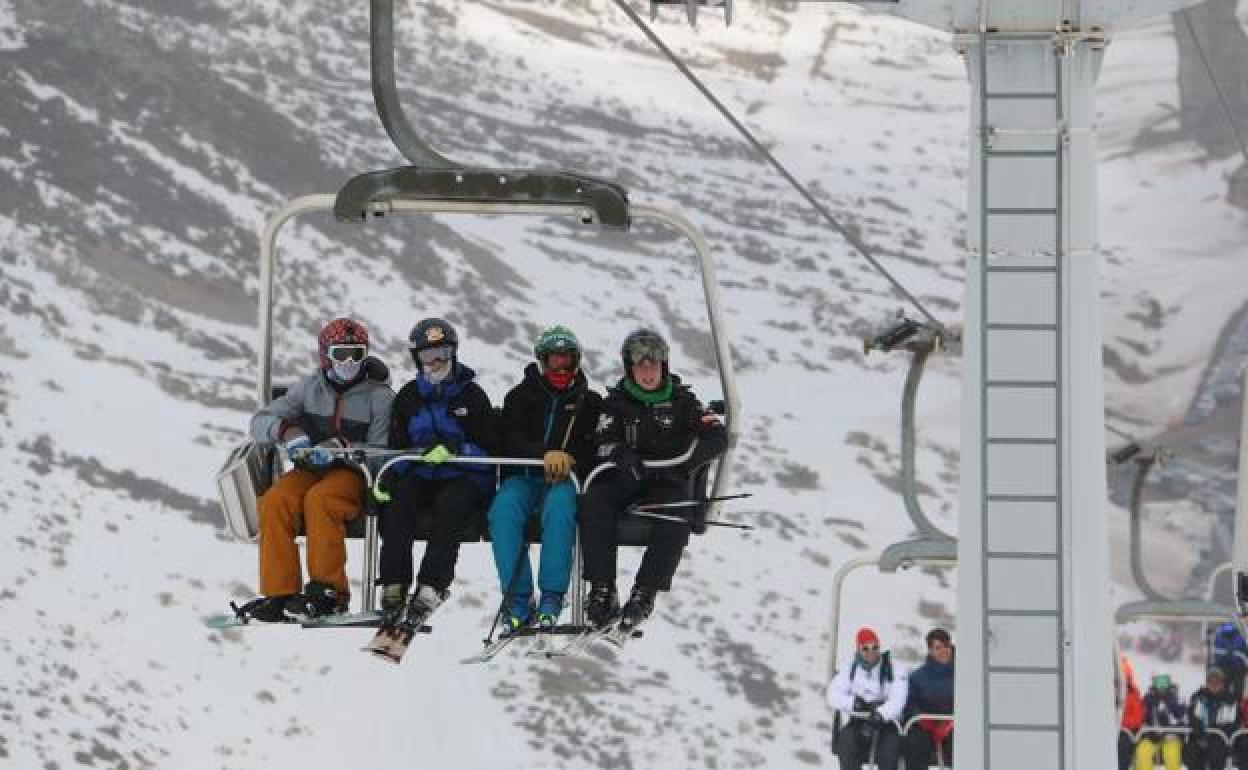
column 686, row 503
column 668, row 517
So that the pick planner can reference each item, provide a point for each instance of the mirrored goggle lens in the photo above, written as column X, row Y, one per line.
column 643, row 349
column 433, row 355
column 347, row 352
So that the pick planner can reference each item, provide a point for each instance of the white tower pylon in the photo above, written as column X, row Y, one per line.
column 1034, row 684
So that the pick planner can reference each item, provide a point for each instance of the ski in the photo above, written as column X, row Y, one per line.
column 618, row 635
column 392, row 639
column 222, row 621
column 371, row 619
column 583, row 641
column 543, row 641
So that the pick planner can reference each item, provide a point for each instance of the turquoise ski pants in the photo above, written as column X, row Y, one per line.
column 519, row 497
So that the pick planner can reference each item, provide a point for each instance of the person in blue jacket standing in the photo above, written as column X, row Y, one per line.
column 442, row 413
column 551, row 415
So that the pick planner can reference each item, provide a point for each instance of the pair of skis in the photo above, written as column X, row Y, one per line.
column 583, row 637
column 397, row 630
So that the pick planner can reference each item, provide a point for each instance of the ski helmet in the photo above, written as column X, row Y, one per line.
column 644, row 343
column 432, row 333
column 340, row 331
column 558, row 339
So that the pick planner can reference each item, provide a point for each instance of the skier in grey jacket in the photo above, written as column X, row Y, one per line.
column 345, row 402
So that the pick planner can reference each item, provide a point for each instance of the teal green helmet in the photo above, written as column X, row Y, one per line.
column 556, row 339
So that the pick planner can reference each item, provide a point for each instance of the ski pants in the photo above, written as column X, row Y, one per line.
column 1126, row 750
column 1171, row 747
column 518, row 498
column 602, row 507
column 1206, row 752
column 918, row 747
column 453, row 502
column 854, row 745
column 325, row 502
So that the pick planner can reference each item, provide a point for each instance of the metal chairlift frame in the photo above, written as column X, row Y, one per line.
column 576, row 213
column 933, row 547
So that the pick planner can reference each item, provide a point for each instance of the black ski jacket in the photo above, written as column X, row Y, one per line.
column 659, row 431
column 537, row 418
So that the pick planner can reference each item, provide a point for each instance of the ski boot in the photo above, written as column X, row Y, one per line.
column 266, row 609
column 317, row 600
column 519, row 613
column 393, row 597
column 603, row 605
column 639, row 606
column 548, row 610
column 425, row 599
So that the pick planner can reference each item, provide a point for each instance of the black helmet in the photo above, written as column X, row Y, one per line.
column 644, row 343
column 432, row 333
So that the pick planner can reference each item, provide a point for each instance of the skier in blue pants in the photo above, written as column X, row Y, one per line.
column 551, row 415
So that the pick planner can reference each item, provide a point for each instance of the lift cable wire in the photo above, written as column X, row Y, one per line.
column 1217, row 89
column 854, row 241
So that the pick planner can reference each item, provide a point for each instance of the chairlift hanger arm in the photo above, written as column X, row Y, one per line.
column 367, row 193
column 386, row 91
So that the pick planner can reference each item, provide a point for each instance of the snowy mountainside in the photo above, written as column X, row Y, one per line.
column 141, row 151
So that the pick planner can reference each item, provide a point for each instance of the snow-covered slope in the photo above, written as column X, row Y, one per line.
column 140, row 151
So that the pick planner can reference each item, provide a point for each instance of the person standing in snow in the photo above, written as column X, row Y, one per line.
column 550, row 415
column 870, row 692
column 930, row 691
column 442, row 413
column 648, row 415
column 345, row 402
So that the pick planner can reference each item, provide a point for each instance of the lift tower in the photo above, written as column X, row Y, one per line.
column 1035, row 675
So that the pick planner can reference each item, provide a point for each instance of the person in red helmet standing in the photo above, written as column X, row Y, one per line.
column 870, row 691
column 345, row 402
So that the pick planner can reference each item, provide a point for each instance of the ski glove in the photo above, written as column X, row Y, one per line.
column 303, row 454
column 558, row 465
column 438, row 455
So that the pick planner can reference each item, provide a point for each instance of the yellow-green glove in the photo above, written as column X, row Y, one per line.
column 438, row 455
column 379, row 494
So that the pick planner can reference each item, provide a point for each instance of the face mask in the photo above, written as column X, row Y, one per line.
column 559, row 379
column 435, row 378
column 345, row 371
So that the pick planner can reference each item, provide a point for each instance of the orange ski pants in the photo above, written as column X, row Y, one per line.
column 325, row 502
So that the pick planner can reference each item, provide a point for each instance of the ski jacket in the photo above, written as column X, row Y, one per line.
column 1164, row 709
column 537, row 418
column 355, row 413
column 455, row 413
column 660, row 431
column 930, row 689
column 1132, row 706
column 1207, row 711
column 873, row 686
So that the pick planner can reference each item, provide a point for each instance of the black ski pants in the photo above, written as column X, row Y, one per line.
column 1205, row 752
column 455, row 504
column 918, row 748
column 602, row 507
column 856, row 739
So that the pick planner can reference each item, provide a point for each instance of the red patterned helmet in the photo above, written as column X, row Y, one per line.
column 340, row 331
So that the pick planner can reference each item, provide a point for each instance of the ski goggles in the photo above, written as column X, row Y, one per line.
column 561, row 360
column 439, row 353
column 342, row 353
column 653, row 349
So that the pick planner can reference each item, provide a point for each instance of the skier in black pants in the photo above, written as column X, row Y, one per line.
column 442, row 413
column 649, row 415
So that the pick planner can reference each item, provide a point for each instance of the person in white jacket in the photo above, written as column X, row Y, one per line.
column 869, row 691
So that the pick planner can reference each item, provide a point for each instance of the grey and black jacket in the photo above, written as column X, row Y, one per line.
column 356, row 413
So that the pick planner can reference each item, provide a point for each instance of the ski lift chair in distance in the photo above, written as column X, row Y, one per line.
column 933, row 547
